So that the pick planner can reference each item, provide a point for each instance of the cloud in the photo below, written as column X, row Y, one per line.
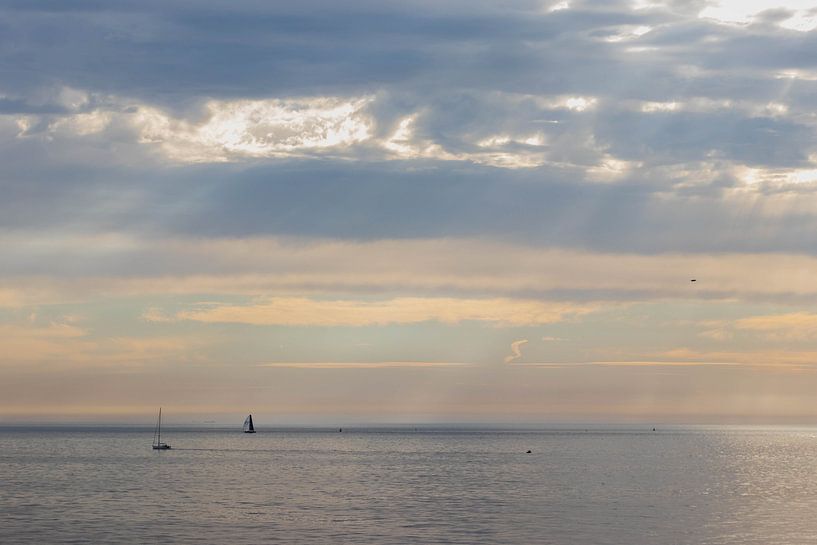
column 231, row 130
column 362, row 365
column 472, row 269
column 65, row 345
column 285, row 119
column 156, row 315
column 761, row 358
column 303, row 127
column 671, row 209
column 785, row 360
column 516, row 351
column 297, row 311
column 797, row 15
column 628, row 363
column 781, row 327
column 25, row 344
column 11, row 298
column 722, row 333
column 792, row 326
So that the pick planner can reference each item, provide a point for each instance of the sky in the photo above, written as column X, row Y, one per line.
column 415, row 212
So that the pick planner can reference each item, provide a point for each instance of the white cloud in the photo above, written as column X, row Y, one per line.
column 649, row 107
column 579, row 104
column 628, row 32
column 803, row 18
column 800, row 74
column 645, row 4
column 403, row 143
column 559, row 6
column 257, row 128
column 516, row 350
column 72, row 98
column 763, row 108
column 241, row 130
column 500, row 150
column 777, row 176
column 610, row 169
column 82, row 124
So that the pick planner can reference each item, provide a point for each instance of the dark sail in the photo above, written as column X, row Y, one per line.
column 248, row 427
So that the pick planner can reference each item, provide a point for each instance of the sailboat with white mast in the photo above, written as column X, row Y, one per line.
column 157, row 435
column 248, row 427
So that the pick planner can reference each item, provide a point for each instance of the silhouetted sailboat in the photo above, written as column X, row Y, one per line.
column 248, row 427
column 157, row 435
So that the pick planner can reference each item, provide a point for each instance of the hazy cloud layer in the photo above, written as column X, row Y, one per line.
column 123, row 266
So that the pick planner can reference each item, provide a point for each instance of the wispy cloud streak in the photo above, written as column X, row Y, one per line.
column 516, row 350
column 362, row 365
column 404, row 310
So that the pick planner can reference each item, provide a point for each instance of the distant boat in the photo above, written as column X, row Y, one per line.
column 157, row 435
column 248, row 427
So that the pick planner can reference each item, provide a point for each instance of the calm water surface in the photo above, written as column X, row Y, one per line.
column 602, row 486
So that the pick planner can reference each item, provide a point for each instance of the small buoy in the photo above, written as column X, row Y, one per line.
column 527, row 452
column 693, row 280
column 653, row 429
column 340, row 430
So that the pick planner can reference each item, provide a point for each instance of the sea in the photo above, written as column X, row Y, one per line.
column 403, row 485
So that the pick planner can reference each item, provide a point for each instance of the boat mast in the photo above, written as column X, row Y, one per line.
column 155, row 429
column 160, row 426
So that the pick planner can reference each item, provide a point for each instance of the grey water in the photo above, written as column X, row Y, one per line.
column 604, row 485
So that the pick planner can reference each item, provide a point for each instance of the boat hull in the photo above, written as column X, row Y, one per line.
column 161, row 446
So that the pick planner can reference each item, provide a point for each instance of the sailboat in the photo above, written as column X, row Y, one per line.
column 248, row 427
column 157, row 435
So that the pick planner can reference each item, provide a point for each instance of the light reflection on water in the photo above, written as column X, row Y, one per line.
column 603, row 486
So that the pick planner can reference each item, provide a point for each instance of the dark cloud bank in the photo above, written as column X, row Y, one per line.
column 468, row 70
